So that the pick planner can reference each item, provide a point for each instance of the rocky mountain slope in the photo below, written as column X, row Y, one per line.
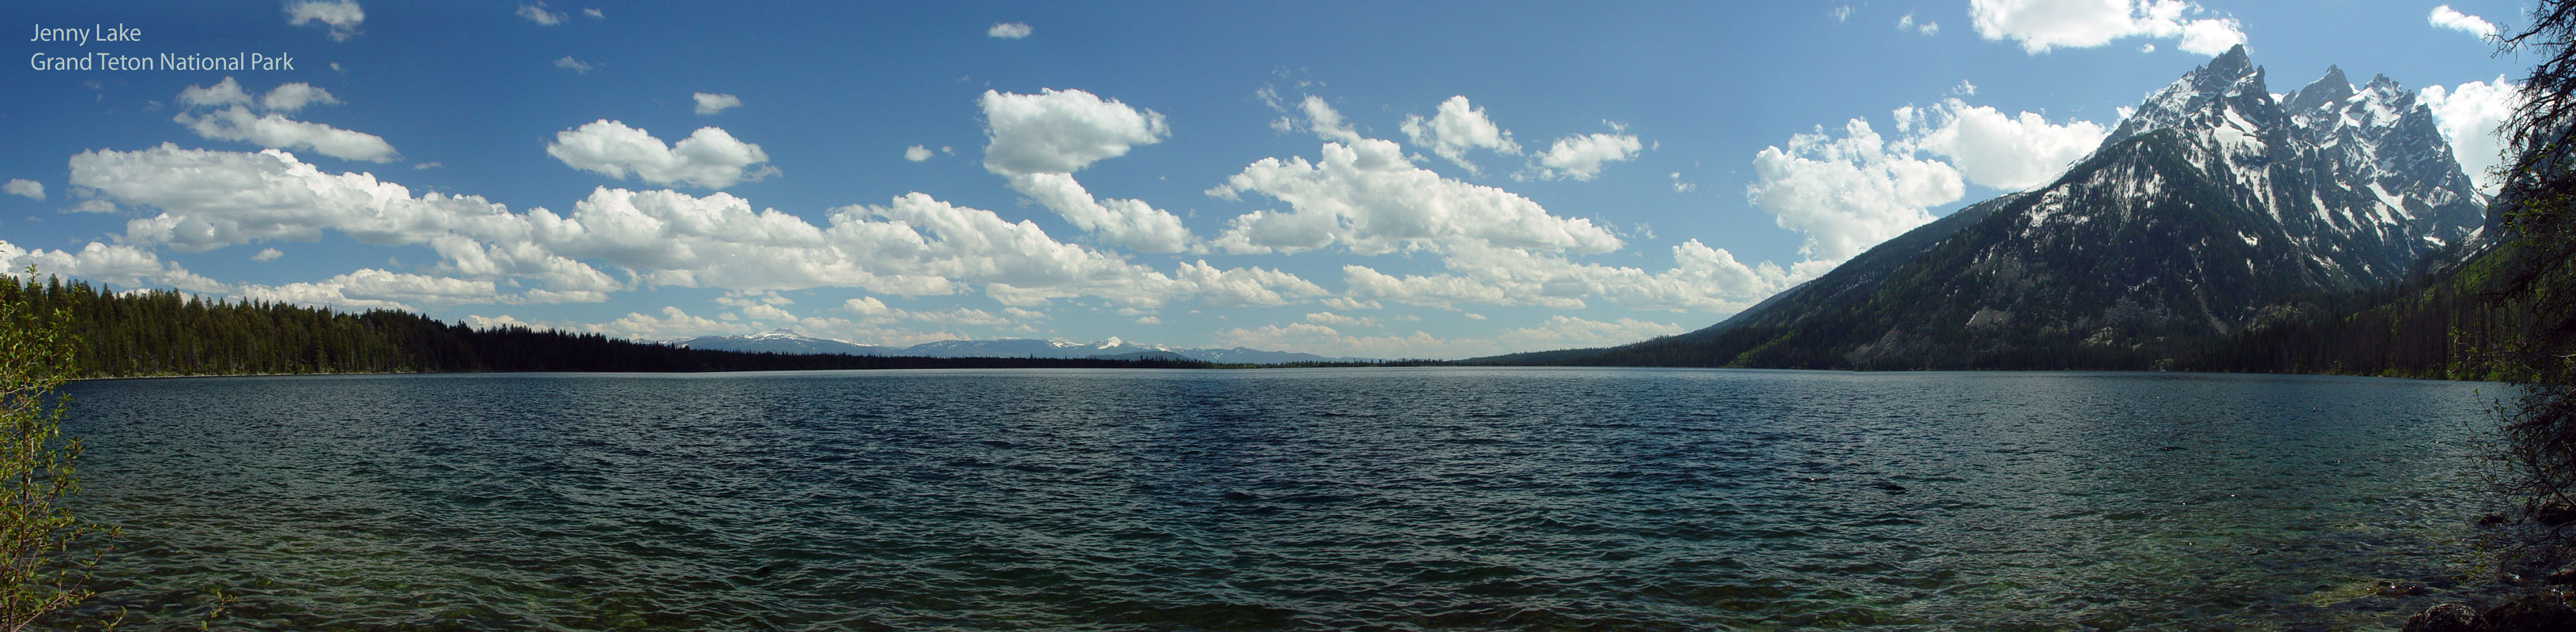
column 2214, row 206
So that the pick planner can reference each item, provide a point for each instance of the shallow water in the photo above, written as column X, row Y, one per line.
column 1283, row 499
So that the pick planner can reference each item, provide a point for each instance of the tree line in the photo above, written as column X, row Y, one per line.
column 146, row 333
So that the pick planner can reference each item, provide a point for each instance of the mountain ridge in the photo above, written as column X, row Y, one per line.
column 2214, row 206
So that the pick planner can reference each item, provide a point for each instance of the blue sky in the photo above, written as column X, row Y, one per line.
column 1338, row 178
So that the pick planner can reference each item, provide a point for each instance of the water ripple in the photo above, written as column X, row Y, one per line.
column 1381, row 499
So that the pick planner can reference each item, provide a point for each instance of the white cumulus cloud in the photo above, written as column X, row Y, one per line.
column 2446, row 17
column 370, row 288
column 1702, row 279
column 1129, row 223
column 215, row 199
column 1330, row 319
column 2470, row 115
column 294, row 96
column 1372, row 200
column 871, row 310
column 342, row 16
column 119, row 264
column 709, row 104
column 1444, row 291
column 1245, row 287
column 1039, row 140
column 2042, row 25
column 277, row 131
column 1008, row 30
column 236, row 122
column 1061, row 131
column 708, row 158
column 1849, row 193
column 1557, row 332
column 913, row 245
column 1580, row 157
column 575, row 65
column 25, row 188
column 223, row 93
column 1321, row 119
column 537, row 13
column 2003, row 151
column 488, row 323
column 672, row 324
column 916, row 153
column 1455, row 128
column 285, row 98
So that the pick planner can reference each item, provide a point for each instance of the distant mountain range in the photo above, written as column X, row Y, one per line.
column 785, row 341
column 2215, row 206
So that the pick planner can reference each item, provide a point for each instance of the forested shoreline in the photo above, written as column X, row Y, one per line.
column 2487, row 319
column 2457, row 327
column 158, row 333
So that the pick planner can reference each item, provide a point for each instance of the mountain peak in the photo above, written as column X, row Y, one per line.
column 2227, row 92
column 2233, row 63
column 2326, row 92
column 2212, row 205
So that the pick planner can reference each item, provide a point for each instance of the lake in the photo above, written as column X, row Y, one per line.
column 1323, row 499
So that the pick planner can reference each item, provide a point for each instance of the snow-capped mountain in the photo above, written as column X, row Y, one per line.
column 2361, row 179
column 2211, row 206
column 784, row 341
column 1028, row 348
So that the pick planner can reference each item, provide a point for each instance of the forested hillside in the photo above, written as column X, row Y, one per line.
column 2489, row 320
column 162, row 332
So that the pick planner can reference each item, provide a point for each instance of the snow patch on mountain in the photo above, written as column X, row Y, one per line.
column 2360, row 176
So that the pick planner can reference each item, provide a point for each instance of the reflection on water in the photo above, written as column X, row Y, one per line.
column 1306, row 499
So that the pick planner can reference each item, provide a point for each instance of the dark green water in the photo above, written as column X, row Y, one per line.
column 1287, row 499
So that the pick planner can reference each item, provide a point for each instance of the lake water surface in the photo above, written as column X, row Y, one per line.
column 1284, row 499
